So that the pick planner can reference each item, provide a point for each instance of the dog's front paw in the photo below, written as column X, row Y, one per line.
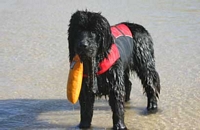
column 84, row 125
column 120, row 127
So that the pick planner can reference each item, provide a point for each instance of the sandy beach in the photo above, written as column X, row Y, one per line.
column 34, row 64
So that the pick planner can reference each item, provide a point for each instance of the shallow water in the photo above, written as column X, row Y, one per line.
column 34, row 64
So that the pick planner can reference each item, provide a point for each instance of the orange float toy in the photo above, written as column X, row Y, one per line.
column 75, row 80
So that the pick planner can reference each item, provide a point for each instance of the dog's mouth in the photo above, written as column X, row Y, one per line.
column 90, row 72
column 86, row 53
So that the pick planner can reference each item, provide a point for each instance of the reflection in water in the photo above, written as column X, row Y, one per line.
column 34, row 64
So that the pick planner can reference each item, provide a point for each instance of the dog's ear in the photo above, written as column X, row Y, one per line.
column 73, row 26
column 78, row 21
column 104, row 34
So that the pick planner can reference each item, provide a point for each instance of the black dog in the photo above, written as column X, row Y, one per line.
column 109, row 54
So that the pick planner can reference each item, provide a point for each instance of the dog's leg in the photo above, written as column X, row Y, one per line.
column 128, row 86
column 86, row 100
column 151, row 84
column 116, row 98
column 117, row 105
column 145, row 68
column 144, row 64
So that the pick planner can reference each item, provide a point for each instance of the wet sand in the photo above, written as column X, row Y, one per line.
column 34, row 64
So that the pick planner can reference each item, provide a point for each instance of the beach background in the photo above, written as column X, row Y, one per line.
column 34, row 64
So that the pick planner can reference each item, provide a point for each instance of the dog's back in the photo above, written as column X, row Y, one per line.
column 123, row 38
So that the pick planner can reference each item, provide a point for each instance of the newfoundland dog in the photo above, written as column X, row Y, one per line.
column 109, row 54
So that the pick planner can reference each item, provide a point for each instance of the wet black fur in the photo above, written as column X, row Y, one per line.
column 90, row 37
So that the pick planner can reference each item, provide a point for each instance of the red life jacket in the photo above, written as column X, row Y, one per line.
column 114, row 55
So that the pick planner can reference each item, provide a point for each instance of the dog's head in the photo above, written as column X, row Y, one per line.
column 89, row 35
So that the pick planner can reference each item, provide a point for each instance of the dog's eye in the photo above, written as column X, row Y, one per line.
column 92, row 32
